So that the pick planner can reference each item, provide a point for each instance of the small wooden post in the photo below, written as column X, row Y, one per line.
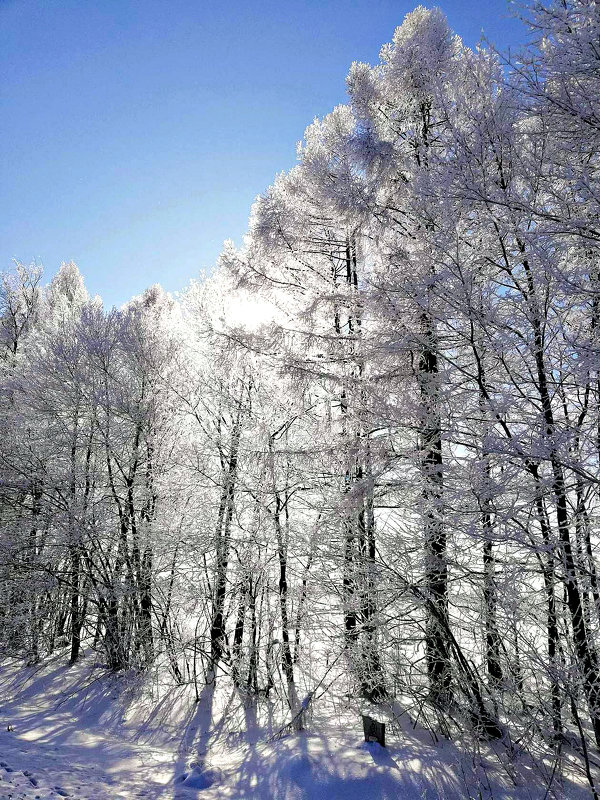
column 374, row 730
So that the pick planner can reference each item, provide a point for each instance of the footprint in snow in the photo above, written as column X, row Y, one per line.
column 61, row 792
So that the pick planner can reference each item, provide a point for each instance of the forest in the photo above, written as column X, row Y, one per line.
column 365, row 447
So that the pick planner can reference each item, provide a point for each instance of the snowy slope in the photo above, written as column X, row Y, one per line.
column 83, row 734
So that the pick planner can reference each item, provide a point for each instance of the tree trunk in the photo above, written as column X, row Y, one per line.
column 217, row 628
column 436, row 568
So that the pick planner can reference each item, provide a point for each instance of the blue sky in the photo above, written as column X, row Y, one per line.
column 136, row 133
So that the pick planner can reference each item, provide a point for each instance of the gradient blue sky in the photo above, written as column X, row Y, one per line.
column 136, row 133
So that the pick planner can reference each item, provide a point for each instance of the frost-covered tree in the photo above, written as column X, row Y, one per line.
column 391, row 472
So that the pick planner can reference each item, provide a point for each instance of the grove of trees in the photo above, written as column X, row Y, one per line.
column 398, row 470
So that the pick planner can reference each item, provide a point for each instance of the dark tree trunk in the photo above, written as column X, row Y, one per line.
column 238, row 638
column 225, row 515
column 436, row 568
column 584, row 649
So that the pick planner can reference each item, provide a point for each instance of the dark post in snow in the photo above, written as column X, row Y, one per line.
column 374, row 730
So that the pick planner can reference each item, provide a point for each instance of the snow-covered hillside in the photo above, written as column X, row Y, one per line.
column 80, row 732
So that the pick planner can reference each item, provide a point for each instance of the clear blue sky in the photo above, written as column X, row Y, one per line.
column 136, row 133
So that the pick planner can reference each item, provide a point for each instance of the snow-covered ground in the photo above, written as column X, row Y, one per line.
column 80, row 733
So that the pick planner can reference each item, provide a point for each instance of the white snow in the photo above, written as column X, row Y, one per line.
column 79, row 732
